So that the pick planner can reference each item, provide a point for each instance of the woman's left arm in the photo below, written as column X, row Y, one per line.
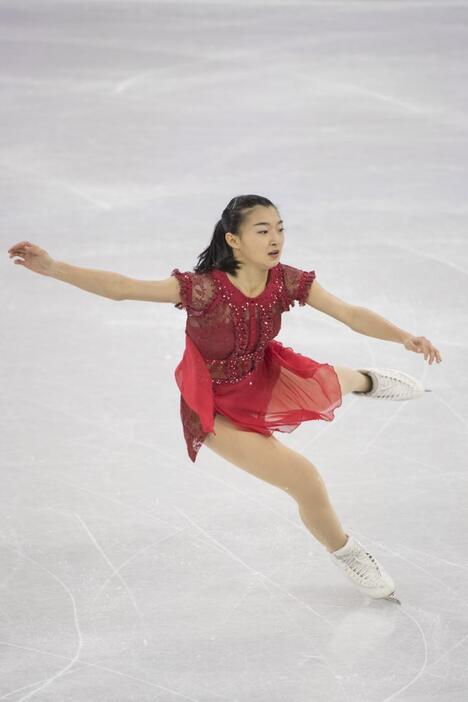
column 365, row 321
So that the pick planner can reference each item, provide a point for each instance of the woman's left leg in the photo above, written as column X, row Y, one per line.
column 352, row 380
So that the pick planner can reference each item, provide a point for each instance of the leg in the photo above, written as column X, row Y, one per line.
column 352, row 380
column 270, row 460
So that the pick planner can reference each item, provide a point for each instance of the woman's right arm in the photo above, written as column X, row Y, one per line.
column 166, row 290
column 105, row 283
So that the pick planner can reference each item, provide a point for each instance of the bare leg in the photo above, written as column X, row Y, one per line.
column 270, row 460
column 352, row 380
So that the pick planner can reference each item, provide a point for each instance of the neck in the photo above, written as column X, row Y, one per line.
column 250, row 280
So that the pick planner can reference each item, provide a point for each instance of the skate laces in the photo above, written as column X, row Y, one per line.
column 393, row 387
column 363, row 565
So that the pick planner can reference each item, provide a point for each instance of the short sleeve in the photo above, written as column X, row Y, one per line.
column 198, row 291
column 185, row 285
column 297, row 284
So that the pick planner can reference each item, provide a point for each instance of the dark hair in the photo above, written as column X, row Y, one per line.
column 219, row 254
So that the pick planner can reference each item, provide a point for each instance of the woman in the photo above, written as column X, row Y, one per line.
column 238, row 385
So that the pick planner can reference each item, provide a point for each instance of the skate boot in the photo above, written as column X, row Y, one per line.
column 390, row 384
column 364, row 570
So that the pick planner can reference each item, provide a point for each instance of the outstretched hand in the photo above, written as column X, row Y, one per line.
column 419, row 344
column 31, row 257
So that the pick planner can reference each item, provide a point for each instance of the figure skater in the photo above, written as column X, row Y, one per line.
column 238, row 384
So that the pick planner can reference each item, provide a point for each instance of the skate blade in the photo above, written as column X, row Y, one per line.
column 392, row 598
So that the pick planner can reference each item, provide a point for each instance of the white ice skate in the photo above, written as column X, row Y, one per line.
column 364, row 570
column 391, row 384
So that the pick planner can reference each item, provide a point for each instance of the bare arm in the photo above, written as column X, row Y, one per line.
column 370, row 323
column 359, row 319
column 32, row 257
column 105, row 283
column 166, row 290
column 365, row 321
column 325, row 302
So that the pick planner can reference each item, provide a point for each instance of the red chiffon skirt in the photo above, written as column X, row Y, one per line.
column 283, row 391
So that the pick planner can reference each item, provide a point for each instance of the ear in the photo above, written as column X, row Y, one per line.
column 230, row 238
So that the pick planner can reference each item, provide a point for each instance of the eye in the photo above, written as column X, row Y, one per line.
column 265, row 231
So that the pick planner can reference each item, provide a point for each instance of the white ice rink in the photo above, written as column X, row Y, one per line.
column 127, row 572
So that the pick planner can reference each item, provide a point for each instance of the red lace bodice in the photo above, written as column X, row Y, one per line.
column 230, row 329
column 227, row 333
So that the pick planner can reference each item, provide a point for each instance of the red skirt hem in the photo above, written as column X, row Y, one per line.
column 283, row 391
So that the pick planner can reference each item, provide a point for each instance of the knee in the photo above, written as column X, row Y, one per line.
column 304, row 481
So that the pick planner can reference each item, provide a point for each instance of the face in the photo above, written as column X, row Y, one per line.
column 262, row 232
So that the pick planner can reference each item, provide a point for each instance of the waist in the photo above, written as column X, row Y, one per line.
column 235, row 368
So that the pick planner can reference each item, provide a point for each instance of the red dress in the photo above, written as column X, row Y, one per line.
column 232, row 365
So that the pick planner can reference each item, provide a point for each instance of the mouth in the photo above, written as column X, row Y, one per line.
column 274, row 254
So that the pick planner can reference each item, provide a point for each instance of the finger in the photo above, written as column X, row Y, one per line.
column 19, row 244
column 25, row 250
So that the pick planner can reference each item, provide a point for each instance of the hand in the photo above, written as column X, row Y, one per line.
column 32, row 257
column 419, row 344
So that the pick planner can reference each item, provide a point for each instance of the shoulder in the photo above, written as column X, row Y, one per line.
column 197, row 291
column 297, row 282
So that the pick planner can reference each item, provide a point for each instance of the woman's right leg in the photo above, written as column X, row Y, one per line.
column 270, row 460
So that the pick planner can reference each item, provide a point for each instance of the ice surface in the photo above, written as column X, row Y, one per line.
column 127, row 572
